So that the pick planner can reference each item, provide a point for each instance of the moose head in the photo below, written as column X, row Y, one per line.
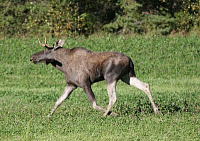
column 47, row 55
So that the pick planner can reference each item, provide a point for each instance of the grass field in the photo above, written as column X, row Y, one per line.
column 171, row 65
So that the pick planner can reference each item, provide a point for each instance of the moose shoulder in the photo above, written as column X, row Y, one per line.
column 83, row 67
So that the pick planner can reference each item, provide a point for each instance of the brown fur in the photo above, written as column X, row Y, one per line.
column 83, row 67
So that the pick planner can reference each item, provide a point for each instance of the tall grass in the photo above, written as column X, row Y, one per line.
column 169, row 65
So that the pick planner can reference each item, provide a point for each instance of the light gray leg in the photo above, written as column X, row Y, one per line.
column 144, row 87
column 111, row 88
column 67, row 92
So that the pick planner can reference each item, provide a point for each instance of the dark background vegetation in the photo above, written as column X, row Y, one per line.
column 85, row 17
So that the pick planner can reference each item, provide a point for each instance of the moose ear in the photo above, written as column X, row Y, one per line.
column 59, row 44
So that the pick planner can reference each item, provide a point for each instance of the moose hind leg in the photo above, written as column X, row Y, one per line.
column 145, row 88
column 111, row 88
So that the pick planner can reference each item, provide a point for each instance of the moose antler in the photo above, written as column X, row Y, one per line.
column 45, row 44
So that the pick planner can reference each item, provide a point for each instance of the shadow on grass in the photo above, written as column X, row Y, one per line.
column 146, row 108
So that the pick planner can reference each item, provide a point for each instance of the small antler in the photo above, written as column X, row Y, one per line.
column 45, row 44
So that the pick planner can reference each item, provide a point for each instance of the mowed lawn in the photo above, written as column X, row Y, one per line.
column 171, row 65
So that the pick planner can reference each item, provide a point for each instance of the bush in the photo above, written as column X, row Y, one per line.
column 159, row 17
column 75, row 17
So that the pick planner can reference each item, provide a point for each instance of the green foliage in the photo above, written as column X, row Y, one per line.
column 126, row 18
column 75, row 17
column 62, row 18
column 169, row 65
column 33, row 17
column 159, row 17
column 185, row 12
column 57, row 18
column 132, row 20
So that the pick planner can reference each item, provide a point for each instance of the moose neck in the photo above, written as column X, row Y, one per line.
column 59, row 57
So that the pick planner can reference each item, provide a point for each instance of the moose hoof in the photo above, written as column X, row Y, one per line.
column 157, row 112
column 114, row 114
column 111, row 114
column 49, row 116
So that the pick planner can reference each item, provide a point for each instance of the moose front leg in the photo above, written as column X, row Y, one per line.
column 67, row 92
column 92, row 99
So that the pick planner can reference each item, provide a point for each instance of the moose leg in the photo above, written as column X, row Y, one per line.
column 66, row 93
column 133, row 81
column 144, row 87
column 111, row 88
column 92, row 99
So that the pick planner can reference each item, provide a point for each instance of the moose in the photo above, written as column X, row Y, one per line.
column 83, row 67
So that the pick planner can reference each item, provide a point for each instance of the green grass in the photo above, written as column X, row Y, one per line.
column 169, row 65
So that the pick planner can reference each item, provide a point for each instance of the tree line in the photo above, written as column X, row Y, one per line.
column 75, row 17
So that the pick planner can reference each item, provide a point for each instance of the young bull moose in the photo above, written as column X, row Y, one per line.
column 83, row 67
